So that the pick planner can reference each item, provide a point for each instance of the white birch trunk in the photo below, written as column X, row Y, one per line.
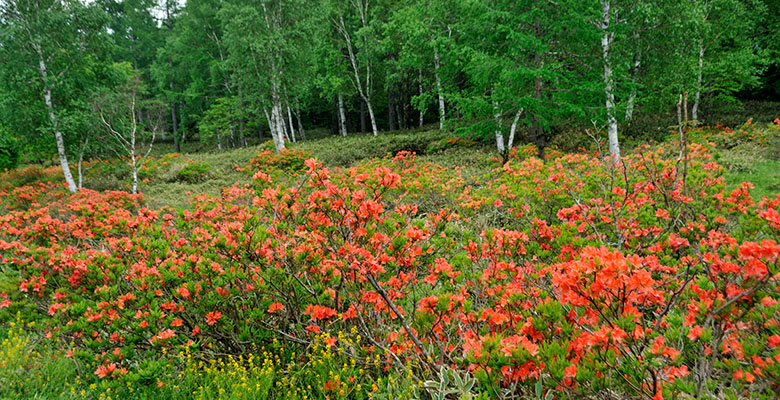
column 81, row 176
column 54, row 123
column 342, row 116
column 289, row 118
column 697, row 96
column 365, row 93
column 420, row 92
column 271, row 126
column 606, row 43
column 632, row 95
column 281, row 131
column 133, row 131
column 513, row 129
column 300, row 123
column 134, row 167
column 277, row 118
column 499, row 135
column 371, row 116
column 437, row 66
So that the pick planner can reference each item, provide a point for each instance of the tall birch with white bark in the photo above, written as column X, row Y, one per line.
column 356, row 33
column 57, row 39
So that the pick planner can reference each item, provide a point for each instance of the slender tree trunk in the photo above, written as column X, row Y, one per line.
column 175, row 125
column 133, row 131
column 273, row 124
column 343, row 118
column 635, row 79
column 365, row 92
column 174, row 117
column 300, row 124
column 241, row 119
column 420, row 93
column 232, row 135
column 279, row 125
column 401, row 114
column 606, row 43
column 697, row 95
column 270, row 125
column 440, row 92
column 371, row 116
column 289, row 119
column 241, row 134
column 513, row 129
column 499, row 134
column 54, row 122
column 81, row 161
column 134, row 167
column 363, row 122
column 390, row 110
column 277, row 115
column 282, row 123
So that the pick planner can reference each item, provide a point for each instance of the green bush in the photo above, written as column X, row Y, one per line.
column 345, row 151
column 9, row 151
column 194, row 172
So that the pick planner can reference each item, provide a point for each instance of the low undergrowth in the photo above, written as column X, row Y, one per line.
column 403, row 277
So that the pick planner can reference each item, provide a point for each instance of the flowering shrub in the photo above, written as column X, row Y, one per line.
column 449, row 143
column 289, row 161
column 571, row 278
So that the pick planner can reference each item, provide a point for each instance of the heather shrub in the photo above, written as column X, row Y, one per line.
column 569, row 278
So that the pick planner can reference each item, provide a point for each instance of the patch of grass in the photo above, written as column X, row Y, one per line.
column 764, row 175
column 29, row 367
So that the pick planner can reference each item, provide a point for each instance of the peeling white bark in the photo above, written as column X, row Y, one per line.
column 420, row 92
column 632, row 95
column 72, row 187
column 609, row 93
column 342, row 116
column 437, row 66
column 513, row 129
column 289, row 118
column 697, row 96
column 499, row 134
column 364, row 92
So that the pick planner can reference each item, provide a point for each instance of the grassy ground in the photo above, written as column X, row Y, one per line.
column 757, row 165
column 333, row 151
column 22, row 352
column 765, row 176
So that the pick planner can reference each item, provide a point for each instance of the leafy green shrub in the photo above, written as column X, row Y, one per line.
column 9, row 151
column 289, row 160
column 194, row 172
column 346, row 151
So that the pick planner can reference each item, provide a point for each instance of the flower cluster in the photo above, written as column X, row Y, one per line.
column 577, row 276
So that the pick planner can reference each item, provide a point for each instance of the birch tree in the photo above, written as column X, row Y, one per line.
column 524, row 64
column 265, row 43
column 609, row 18
column 420, row 33
column 726, row 58
column 52, row 43
column 118, row 112
column 355, row 23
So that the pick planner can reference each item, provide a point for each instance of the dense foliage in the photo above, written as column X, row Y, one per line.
column 227, row 73
column 569, row 278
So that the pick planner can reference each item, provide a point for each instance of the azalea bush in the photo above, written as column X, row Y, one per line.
column 575, row 277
